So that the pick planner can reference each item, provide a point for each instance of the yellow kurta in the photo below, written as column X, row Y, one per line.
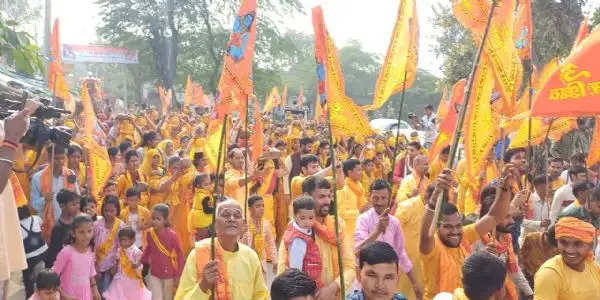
column 328, row 262
column 436, row 167
column 349, row 204
column 155, row 197
column 467, row 188
column 410, row 214
column 431, row 263
column 556, row 281
column 296, row 187
column 408, row 185
column 125, row 182
column 197, row 218
column 244, row 274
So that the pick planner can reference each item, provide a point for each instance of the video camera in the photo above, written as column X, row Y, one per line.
column 39, row 132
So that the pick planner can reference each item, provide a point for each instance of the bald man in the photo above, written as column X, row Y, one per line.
column 416, row 182
column 235, row 263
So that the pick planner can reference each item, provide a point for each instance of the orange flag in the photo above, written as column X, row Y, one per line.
column 443, row 106
column 211, row 149
column 448, row 123
column 272, row 100
column 301, row 97
column 584, row 31
column 94, row 141
column 258, row 136
column 198, row 97
column 500, row 49
column 594, row 156
column 56, row 78
column 573, row 89
column 400, row 59
column 236, row 79
column 284, row 96
column 345, row 116
column 523, row 30
column 539, row 126
column 480, row 130
column 189, row 87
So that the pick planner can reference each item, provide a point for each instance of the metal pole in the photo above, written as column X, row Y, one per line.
column 47, row 32
column 462, row 113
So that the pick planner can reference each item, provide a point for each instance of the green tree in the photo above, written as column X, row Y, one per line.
column 19, row 48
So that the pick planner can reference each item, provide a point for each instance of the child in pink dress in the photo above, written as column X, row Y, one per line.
column 75, row 263
column 106, row 241
column 47, row 284
column 128, row 283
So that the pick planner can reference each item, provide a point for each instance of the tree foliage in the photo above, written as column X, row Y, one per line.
column 19, row 48
column 555, row 25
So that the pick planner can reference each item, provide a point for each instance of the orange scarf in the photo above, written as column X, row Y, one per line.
column 20, row 197
column 172, row 255
column 103, row 249
column 506, row 246
column 358, row 190
column 326, row 231
column 46, row 188
column 128, row 269
column 203, row 256
column 267, row 184
column 256, row 234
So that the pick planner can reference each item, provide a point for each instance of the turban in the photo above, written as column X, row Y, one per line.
column 575, row 228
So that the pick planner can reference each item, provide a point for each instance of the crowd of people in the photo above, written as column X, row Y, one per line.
column 277, row 232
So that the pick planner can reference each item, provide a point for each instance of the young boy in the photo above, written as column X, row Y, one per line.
column 299, row 240
column 378, row 273
column 260, row 236
column 47, row 285
column 70, row 207
column 200, row 217
column 293, row 285
column 136, row 216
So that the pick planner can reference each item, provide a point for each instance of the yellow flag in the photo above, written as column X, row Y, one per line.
column 99, row 166
column 499, row 47
column 399, row 58
column 213, row 140
column 480, row 131
column 189, row 91
column 272, row 100
column 318, row 110
column 594, row 156
column 346, row 117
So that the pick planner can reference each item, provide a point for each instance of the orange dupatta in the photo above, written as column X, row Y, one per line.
column 358, row 190
column 203, row 256
column 46, row 188
column 172, row 255
column 326, row 232
column 506, row 246
column 103, row 249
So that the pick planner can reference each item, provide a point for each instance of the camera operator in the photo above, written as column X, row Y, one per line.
column 12, row 253
column 428, row 125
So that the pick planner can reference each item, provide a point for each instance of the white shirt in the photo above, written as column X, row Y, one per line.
column 429, row 128
column 33, row 224
column 541, row 211
column 563, row 197
column 133, row 221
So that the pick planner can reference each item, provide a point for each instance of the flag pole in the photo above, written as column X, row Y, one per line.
column 461, row 116
column 246, row 162
column 215, row 190
column 335, row 205
column 391, row 175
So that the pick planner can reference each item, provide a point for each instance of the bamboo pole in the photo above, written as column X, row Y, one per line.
column 461, row 116
column 246, row 162
column 335, row 204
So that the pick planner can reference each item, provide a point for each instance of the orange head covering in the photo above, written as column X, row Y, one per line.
column 575, row 228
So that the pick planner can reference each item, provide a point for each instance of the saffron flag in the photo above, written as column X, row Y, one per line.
column 583, row 32
column 573, row 89
column 284, row 96
column 258, row 136
column 301, row 97
column 346, row 118
column 188, row 96
column 539, row 126
column 401, row 60
column 236, row 77
column 448, row 123
column 594, row 156
column 99, row 166
column 523, row 30
column 165, row 99
column 442, row 107
column 272, row 100
column 56, row 78
column 499, row 47
column 480, row 132
column 318, row 110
